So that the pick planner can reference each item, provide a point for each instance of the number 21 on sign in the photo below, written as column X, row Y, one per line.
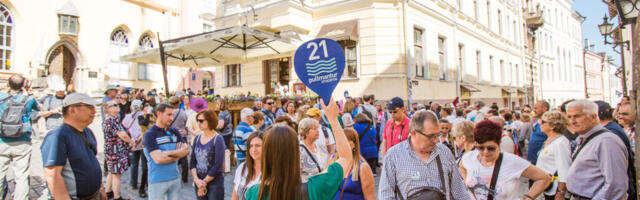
column 322, row 44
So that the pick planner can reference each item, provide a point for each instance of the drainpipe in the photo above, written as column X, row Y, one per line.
column 584, row 65
column 407, row 52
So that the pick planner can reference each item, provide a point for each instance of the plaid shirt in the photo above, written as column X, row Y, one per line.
column 404, row 168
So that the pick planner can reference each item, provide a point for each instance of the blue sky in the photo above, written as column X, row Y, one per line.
column 594, row 10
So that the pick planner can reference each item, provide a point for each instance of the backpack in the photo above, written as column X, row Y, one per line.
column 12, row 124
column 366, row 112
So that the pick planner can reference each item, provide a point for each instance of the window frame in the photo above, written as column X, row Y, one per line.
column 233, row 70
column 420, row 45
column 350, row 47
column 64, row 27
column 6, row 37
column 119, row 42
column 443, row 72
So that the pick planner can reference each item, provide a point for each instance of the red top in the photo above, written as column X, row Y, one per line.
column 394, row 134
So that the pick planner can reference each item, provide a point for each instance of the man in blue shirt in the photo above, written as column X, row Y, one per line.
column 163, row 147
column 243, row 130
column 16, row 151
column 537, row 138
column 71, row 168
column 267, row 106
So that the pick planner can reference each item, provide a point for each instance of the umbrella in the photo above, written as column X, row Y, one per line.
column 232, row 45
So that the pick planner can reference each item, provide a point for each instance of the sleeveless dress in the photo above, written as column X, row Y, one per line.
column 352, row 189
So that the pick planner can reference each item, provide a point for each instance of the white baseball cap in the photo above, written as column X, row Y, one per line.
column 76, row 98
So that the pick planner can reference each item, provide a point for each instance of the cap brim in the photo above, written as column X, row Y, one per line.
column 91, row 102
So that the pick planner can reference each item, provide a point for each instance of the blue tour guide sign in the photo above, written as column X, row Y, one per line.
column 319, row 64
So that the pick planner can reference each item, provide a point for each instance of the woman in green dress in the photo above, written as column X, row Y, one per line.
column 281, row 165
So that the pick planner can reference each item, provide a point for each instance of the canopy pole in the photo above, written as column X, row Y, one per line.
column 163, row 61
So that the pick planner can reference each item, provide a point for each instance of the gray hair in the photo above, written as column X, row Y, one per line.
column 497, row 119
column 246, row 112
column 305, row 126
column 418, row 119
column 136, row 105
column 587, row 106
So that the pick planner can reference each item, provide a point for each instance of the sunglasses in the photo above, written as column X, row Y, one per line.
column 270, row 103
column 430, row 136
column 482, row 148
column 112, row 105
column 395, row 111
column 201, row 121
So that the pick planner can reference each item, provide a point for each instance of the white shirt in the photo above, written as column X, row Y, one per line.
column 322, row 142
column 556, row 157
column 478, row 177
column 240, row 180
column 507, row 144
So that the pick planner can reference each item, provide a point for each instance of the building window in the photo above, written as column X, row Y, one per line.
column 500, row 22
column 461, row 62
column 119, row 47
column 418, row 51
column 442, row 59
column 517, row 75
column 515, row 32
column 502, row 79
column 351, row 57
column 489, row 14
column 475, row 9
column 479, row 65
column 143, row 68
column 207, row 27
column 492, row 70
column 93, row 74
column 142, row 71
column 68, row 24
column 232, row 75
column 6, row 38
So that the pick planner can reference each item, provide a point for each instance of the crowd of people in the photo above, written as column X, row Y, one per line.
column 302, row 149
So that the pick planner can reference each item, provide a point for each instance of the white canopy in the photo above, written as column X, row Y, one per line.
column 238, row 44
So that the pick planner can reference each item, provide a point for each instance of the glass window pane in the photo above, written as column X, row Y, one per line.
column 73, row 25
column 7, row 59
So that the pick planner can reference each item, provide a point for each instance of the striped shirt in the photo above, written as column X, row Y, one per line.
column 403, row 168
column 243, row 130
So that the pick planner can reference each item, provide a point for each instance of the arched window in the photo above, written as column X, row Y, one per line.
column 143, row 72
column 6, row 37
column 119, row 47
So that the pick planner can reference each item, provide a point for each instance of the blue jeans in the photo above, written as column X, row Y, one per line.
column 138, row 159
column 165, row 190
column 215, row 190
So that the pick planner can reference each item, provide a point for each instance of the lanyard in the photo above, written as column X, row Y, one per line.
column 393, row 128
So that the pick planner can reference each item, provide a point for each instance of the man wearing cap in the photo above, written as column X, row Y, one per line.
column 605, row 114
column 71, row 169
column 52, row 107
column 396, row 130
column 326, row 139
column 16, row 151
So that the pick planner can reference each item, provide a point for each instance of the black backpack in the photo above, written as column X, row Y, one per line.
column 12, row 124
column 366, row 112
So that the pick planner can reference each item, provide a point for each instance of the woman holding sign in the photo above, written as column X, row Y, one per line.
column 281, row 165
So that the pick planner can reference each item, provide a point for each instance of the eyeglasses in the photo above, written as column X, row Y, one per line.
column 270, row 103
column 201, row 121
column 112, row 105
column 489, row 148
column 395, row 111
column 430, row 136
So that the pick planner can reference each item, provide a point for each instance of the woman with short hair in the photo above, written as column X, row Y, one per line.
column 477, row 168
column 207, row 158
column 258, row 120
column 312, row 157
column 555, row 156
column 248, row 173
column 347, row 117
column 462, row 133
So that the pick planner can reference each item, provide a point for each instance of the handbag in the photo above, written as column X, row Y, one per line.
column 426, row 192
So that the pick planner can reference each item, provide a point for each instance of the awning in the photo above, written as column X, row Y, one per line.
column 469, row 87
column 233, row 45
column 340, row 30
column 507, row 90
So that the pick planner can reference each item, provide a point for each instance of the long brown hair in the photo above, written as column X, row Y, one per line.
column 352, row 136
column 210, row 117
column 250, row 163
column 280, row 164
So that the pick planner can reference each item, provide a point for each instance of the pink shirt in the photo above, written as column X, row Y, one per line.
column 394, row 134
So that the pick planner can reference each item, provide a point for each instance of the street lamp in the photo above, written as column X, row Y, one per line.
column 628, row 10
column 606, row 31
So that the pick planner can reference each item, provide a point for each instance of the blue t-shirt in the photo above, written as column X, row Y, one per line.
column 243, row 130
column 368, row 148
column 157, row 138
column 81, row 170
column 536, row 141
column 31, row 106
